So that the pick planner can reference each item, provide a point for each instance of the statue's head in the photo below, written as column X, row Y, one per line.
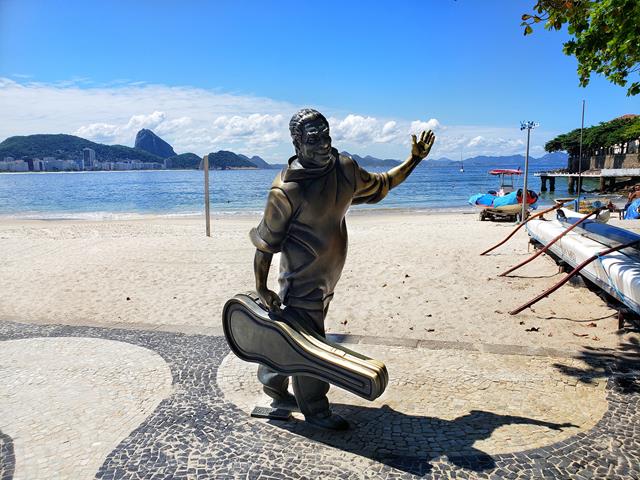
column 310, row 133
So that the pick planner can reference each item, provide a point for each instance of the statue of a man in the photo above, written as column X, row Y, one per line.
column 304, row 220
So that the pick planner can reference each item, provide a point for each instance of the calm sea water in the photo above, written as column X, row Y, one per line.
column 103, row 195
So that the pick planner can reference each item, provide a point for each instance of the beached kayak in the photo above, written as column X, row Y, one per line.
column 617, row 273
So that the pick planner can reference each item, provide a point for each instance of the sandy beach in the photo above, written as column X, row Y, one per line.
column 408, row 275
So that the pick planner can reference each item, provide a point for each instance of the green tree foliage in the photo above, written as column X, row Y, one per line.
column 605, row 36
column 604, row 135
column 184, row 161
column 223, row 160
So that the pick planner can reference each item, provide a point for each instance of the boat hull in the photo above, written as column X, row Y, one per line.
column 601, row 232
column 617, row 273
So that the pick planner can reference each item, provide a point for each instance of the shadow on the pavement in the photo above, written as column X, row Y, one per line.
column 7, row 457
column 603, row 363
column 410, row 442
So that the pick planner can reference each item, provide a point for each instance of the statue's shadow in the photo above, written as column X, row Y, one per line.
column 411, row 442
column 7, row 457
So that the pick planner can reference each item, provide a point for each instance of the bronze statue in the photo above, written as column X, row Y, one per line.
column 304, row 220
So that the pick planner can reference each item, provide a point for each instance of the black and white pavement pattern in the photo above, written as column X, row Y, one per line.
column 196, row 433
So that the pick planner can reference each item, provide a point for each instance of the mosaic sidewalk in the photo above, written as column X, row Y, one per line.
column 88, row 402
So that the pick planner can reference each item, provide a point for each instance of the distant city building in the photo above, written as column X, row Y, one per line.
column 54, row 165
column 14, row 166
column 33, row 165
column 88, row 158
column 87, row 162
column 38, row 165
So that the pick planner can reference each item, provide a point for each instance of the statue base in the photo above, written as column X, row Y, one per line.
column 271, row 413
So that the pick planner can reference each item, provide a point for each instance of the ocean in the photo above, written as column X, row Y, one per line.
column 113, row 195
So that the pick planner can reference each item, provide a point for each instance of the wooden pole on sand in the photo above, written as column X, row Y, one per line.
column 554, row 240
column 522, row 224
column 205, row 166
column 573, row 272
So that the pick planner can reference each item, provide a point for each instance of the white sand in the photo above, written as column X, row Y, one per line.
column 406, row 275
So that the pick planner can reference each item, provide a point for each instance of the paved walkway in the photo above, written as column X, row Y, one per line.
column 85, row 402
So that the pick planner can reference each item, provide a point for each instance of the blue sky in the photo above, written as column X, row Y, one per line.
column 229, row 74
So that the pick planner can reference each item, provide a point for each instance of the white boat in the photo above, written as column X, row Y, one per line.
column 506, row 179
column 492, row 203
column 617, row 273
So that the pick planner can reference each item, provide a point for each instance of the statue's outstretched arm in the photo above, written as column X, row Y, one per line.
column 419, row 150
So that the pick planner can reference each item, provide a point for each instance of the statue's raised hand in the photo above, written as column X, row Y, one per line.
column 421, row 148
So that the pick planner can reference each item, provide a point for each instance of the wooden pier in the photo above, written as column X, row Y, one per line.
column 607, row 177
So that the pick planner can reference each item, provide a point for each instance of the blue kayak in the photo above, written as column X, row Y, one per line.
column 513, row 198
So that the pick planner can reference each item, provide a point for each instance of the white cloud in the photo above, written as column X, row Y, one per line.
column 255, row 130
column 355, row 128
column 98, row 132
column 173, row 126
column 109, row 133
column 201, row 121
column 418, row 126
column 480, row 141
column 471, row 141
column 369, row 130
column 185, row 116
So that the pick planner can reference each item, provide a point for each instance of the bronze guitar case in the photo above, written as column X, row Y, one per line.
column 286, row 346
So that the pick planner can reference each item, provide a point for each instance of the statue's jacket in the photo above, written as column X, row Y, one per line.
column 304, row 219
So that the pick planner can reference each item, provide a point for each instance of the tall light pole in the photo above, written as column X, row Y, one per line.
column 580, row 161
column 528, row 126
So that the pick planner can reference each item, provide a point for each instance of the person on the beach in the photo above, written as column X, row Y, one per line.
column 633, row 194
column 304, row 219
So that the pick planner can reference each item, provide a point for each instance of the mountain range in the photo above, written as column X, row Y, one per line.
column 69, row 147
column 369, row 161
column 149, row 147
column 506, row 159
column 152, row 143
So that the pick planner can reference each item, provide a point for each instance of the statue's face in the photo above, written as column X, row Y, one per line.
column 315, row 147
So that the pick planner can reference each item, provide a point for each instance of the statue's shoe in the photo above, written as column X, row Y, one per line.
column 281, row 399
column 286, row 404
column 330, row 421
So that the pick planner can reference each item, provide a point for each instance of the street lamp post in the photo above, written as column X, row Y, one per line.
column 528, row 126
column 580, row 161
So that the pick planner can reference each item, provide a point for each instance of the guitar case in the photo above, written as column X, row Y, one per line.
column 282, row 343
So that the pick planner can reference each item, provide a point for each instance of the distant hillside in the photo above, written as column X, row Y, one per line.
column 224, row 160
column 555, row 156
column 370, row 161
column 507, row 160
column 259, row 162
column 184, row 161
column 441, row 161
column 69, row 147
column 150, row 142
